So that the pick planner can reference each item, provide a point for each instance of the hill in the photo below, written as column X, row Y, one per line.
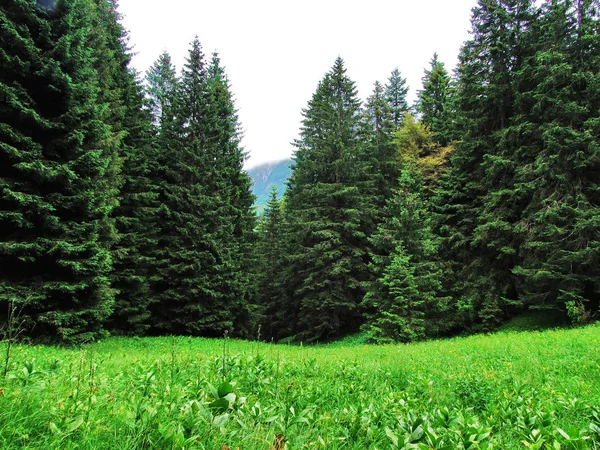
column 267, row 175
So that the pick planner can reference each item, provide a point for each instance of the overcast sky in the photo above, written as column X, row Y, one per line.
column 276, row 51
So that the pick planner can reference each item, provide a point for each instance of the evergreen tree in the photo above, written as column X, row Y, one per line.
column 378, row 112
column 208, row 222
column 134, row 262
column 162, row 86
column 58, row 176
column 270, row 256
column 434, row 101
column 395, row 92
column 184, row 265
column 190, row 252
column 325, row 208
column 379, row 119
column 407, row 275
column 231, row 188
column 481, row 259
column 554, row 141
column 399, row 314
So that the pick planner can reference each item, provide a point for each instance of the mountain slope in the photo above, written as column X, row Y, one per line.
column 267, row 175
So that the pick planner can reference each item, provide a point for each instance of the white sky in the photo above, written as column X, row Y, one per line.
column 276, row 51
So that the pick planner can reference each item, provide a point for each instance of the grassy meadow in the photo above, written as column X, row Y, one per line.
column 535, row 390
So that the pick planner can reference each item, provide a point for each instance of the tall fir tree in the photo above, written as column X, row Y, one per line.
column 162, row 90
column 480, row 264
column 231, row 187
column 325, row 209
column 379, row 118
column 59, row 177
column 133, row 253
column 270, row 253
column 554, row 144
column 396, row 92
column 434, row 102
column 184, row 269
column 208, row 223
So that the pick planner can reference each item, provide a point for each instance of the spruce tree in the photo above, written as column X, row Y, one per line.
column 269, row 248
column 325, row 209
column 398, row 304
column 134, row 262
column 395, row 92
column 434, row 101
column 58, row 176
column 135, row 253
column 191, row 252
column 162, row 87
column 481, row 251
column 379, row 118
column 555, row 145
column 208, row 222
column 231, row 189
column 402, row 303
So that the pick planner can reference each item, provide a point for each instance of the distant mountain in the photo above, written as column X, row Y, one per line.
column 267, row 175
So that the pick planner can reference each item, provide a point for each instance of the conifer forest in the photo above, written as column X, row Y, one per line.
column 125, row 208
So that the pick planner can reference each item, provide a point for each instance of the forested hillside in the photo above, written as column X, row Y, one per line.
column 268, row 176
column 125, row 209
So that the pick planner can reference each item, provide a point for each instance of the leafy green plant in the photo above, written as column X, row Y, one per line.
column 223, row 397
column 595, row 425
column 29, row 373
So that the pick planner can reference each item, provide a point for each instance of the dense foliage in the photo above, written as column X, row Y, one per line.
column 119, row 210
column 124, row 206
column 327, row 207
column 59, row 176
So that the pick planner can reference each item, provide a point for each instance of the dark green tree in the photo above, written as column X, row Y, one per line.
column 379, row 118
column 162, row 90
column 402, row 302
column 58, row 177
column 328, row 254
column 481, row 251
column 554, row 144
column 208, row 222
column 434, row 103
column 270, row 253
column 133, row 252
column 183, row 264
column 395, row 92
column 234, row 218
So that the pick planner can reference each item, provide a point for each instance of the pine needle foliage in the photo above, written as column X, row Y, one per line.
column 326, row 211
column 59, row 176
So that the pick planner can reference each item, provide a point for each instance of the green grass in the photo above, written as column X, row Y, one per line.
column 536, row 320
column 537, row 390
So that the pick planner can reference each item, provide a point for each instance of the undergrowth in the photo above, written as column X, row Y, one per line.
column 534, row 390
